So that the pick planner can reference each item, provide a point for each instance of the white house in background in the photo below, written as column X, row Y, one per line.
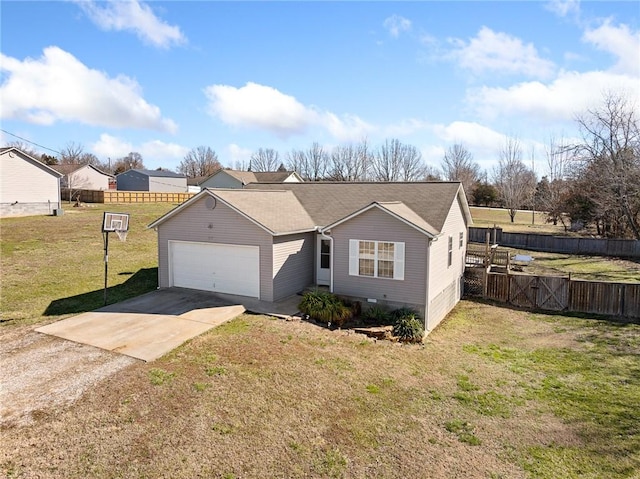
column 83, row 177
column 239, row 179
column 158, row 181
column 27, row 186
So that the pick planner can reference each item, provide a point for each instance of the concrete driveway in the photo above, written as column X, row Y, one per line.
column 148, row 326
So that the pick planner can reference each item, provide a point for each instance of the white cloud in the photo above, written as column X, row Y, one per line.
column 570, row 93
column 58, row 87
column 237, row 157
column 266, row 108
column 260, row 106
column 619, row 41
column 134, row 16
column 499, row 52
column 395, row 24
column 562, row 8
column 154, row 153
column 473, row 135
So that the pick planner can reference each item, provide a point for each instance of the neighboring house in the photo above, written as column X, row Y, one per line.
column 193, row 183
column 159, row 181
column 27, row 186
column 394, row 244
column 239, row 179
column 83, row 177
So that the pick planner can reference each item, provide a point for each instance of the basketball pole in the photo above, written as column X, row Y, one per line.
column 106, row 263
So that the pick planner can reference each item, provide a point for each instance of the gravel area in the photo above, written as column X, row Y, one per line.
column 39, row 373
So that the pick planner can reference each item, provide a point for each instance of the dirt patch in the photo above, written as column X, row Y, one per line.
column 41, row 373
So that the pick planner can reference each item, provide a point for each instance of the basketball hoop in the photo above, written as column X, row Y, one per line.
column 117, row 223
column 122, row 234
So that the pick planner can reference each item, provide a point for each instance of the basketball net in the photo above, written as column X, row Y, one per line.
column 122, row 234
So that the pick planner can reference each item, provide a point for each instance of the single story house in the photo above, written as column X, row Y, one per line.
column 239, row 179
column 159, row 181
column 392, row 244
column 27, row 186
column 83, row 177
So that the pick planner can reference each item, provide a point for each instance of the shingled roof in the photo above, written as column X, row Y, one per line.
column 330, row 202
column 69, row 168
column 285, row 208
column 247, row 177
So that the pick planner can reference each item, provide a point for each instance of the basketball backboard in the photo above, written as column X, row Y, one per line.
column 115, row 222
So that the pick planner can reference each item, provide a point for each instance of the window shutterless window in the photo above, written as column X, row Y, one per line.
column 450, row 256
column 461, row 240
column 376, row 259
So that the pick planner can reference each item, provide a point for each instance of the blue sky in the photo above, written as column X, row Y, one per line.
column 161, row 78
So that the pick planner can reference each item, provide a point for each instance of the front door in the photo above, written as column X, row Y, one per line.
column 323, row 263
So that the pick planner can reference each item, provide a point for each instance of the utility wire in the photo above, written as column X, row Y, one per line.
column 29, row 141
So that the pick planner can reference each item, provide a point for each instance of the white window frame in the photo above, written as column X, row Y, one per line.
column 461, row 240
column 450, row 252
column 398, row 259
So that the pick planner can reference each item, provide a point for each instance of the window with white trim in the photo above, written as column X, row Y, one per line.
column 450, row 258
column 461, row 240
column 376, row 259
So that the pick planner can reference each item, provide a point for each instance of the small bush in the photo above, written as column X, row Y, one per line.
column 408, row 330
column 376, row 314
column 325, row 307
column 404, row 313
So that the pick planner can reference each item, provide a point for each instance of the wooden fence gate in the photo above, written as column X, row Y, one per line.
column 556, row 293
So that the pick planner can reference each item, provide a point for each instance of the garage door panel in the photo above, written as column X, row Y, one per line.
column 231, row 269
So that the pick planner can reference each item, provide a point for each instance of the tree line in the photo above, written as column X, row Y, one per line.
column 591, row 182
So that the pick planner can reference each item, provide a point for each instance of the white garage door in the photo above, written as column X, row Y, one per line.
column 221, row 268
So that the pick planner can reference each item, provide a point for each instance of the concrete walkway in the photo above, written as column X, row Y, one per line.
column 149, row 326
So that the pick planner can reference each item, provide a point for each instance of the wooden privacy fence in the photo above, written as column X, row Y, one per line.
column 557, row 244
column 115, row 196
column 554, row 293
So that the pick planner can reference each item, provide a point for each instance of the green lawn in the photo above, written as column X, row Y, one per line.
column 492, row 393
column 53, row 266
column 524, row 221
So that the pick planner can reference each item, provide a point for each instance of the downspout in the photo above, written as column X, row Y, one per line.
column 330, row 238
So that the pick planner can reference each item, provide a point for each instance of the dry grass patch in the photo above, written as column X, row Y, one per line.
column 260, row 397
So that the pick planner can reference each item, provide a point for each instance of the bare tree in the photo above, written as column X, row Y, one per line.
column 553, row 197
column 431, row 173
column 609, row 156
column 25, row 148
column 71, row 154
column 387, row 161
column 133, row 161
column 458, row 165
column 265, row 159
column 413, row 169
column 514, row 181
column 200, row 161
column 394, row 161
column 317, row 161
column 349, row 162
column 296, row 161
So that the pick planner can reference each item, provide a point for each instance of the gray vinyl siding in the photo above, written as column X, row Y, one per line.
column 26, row 187
column 132, row 181
column 444, row 302
column 293, row 259
column 379, row 226
column 220, row 225
column 136, row 181
column 444, row 280
column 167, row 185
column 222, row 180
